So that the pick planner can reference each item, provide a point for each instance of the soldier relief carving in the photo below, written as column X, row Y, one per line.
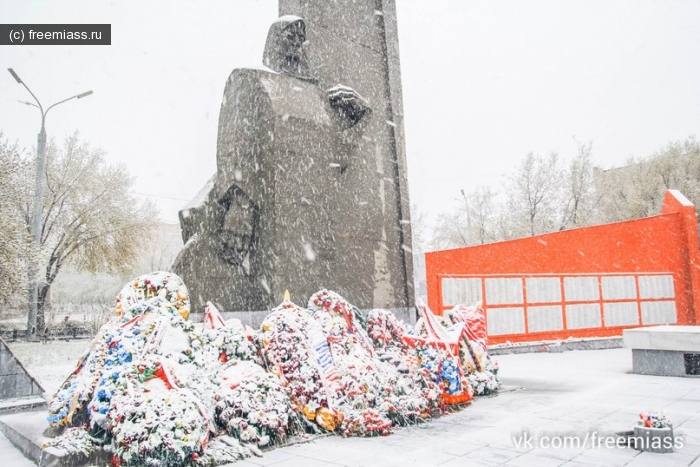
column 266, row 221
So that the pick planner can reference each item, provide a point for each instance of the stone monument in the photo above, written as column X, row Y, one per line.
column 310, row 190
column 19, row 391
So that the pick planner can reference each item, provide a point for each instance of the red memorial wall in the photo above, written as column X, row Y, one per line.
column 587, row 282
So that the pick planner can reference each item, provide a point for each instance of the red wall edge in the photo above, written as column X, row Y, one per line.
column 664, row 243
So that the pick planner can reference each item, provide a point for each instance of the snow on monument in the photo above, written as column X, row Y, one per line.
column 310, row 190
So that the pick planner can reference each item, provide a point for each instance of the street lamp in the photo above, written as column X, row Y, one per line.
column 469, row 217
column 33, row 289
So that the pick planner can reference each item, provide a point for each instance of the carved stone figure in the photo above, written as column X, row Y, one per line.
column 269, row 219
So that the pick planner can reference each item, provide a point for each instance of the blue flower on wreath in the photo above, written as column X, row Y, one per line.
column 124, row 356
column 450, row 374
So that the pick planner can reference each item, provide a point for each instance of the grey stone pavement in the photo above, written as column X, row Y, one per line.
column 571, row 393
column 548, row 395
column 11, row 457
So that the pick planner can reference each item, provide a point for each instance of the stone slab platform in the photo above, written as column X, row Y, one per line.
column 664, row 350
column 557, row 346
column 677, row 338
column 22, row 404
column 26, row 432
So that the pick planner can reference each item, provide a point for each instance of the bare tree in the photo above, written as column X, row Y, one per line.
column 482, row 211
column 578, row 193
column 533, row 192
column 544, row 197
column 419, row 230
column 474, row 220
column 451, row 230
column 637, row 189
column 678, row 165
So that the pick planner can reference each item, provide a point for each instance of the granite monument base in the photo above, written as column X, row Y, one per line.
column 658, row 440
column 26, row 432
column 664, row 350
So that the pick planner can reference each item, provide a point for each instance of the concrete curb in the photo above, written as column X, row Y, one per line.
column 23, row 404
column 25, row 432
column 559, row 346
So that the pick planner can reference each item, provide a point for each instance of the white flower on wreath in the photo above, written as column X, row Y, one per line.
column 251, row 432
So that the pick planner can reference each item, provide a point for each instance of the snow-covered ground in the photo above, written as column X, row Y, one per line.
column 10, row 456
column 578, row 393
column 49, row 363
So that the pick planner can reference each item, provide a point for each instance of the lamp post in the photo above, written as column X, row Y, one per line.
column 469, row 217
column 35, row 228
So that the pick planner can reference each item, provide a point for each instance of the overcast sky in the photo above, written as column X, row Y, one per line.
column 484, row 83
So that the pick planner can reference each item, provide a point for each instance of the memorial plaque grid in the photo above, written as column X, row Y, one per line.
column 659, row 312
column 544, row 318
column 583, row 316
column 516, row 305
column 505, row 321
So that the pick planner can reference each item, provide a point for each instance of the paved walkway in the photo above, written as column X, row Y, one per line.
column 11, row 457
column 572, row 393
column 548, row 396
